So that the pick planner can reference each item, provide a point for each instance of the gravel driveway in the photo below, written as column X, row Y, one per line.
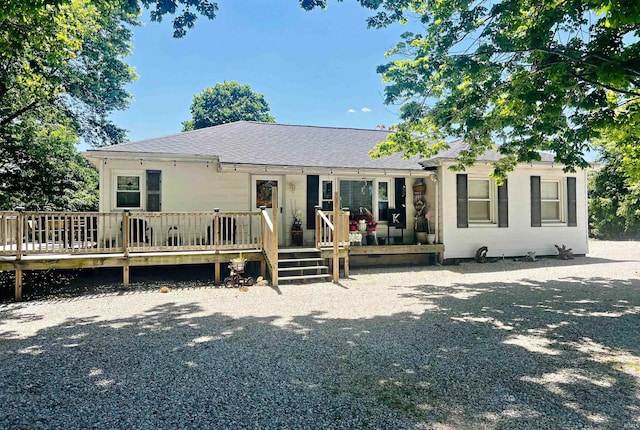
column 547, row 344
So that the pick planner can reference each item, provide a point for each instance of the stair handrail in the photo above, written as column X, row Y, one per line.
column 270, row 244
column 324, row 229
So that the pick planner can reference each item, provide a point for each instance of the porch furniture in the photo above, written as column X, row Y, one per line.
column 226, row 229
column 174, row 238
column 355, row 238
column 139, row 231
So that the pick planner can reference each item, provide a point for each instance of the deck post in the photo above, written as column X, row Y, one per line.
column 275, row 211
column 336, row 238
column 125, row 244
column 216, row 276
column 19, row 234
column 318, row 226
column 345, row 212
column 216, row 226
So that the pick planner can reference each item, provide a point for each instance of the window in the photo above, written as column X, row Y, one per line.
column 128, row 191
column 479, row 200
column 138, row 190
column 356, row 195
column 550, row 200
column 383, row 201
column 553, row 202
column 326, row 201
column 153, row 190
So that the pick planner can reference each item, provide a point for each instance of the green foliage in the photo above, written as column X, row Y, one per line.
column 227, row 102
column 528, row 74
column 61, row 76
column 614, row 190
column 40, row 167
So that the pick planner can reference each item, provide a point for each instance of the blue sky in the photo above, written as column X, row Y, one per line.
column 314, row 68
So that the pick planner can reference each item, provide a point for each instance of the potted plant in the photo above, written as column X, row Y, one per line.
column 237, row 264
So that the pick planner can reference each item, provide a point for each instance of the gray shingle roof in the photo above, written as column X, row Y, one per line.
column 246, row 142
column 488, row 156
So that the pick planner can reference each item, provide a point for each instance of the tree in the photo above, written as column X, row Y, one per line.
column 614, row 190
column 528, row 74
column 227, row 102
column 40, row 167
column 61, row 75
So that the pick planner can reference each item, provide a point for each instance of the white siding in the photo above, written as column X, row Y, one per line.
column 187, row 186
column 519, row 237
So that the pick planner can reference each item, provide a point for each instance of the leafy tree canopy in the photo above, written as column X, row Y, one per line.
column 61, row 75
column 528, row 74
column 227, row 102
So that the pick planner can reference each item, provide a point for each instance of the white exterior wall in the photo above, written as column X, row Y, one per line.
column 519, row 237
column 191, row 186
column 187, row 186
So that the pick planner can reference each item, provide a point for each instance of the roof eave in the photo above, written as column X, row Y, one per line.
column 165, row 156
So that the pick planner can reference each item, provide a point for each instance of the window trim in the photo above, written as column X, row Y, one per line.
column 561, row 201
column 141, row 174
column 492, row 199
column 374, row 195
column 377, row 200
column 322, row 181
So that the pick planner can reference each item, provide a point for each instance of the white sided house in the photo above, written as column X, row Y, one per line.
column 234, row 167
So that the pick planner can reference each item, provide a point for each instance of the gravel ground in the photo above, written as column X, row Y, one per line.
column 548, row 344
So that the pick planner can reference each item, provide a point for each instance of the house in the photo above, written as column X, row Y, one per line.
column 235, row 167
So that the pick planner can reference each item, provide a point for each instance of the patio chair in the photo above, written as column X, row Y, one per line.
column 226, row 231
column 139, row 231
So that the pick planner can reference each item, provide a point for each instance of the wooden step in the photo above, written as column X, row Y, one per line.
column 302, row 277
column 294, row 268
column 296, row 250
column 296, row 260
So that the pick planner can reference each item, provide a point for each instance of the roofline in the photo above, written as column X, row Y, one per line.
column 440, row 160
column 303, row 170
column 159, row 156
column 248, row 122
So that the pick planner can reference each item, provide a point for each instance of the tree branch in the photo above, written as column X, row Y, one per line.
column 7, row 120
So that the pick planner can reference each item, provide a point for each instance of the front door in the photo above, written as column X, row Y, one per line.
column 262, row 195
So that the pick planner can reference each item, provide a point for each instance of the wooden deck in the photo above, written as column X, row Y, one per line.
column 74, row 240
column 90, row 240
column 437, row 249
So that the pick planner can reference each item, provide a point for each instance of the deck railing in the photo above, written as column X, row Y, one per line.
column 36, row 233
column 192, row 231
column 325, row 228
column 8, row 232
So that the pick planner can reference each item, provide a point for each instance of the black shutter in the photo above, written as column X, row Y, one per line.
column 503, row 205
column 400, row 189
column 313, row 199
column 536, row 205
column 154, row 201
column 463, row 200
column 572, row 219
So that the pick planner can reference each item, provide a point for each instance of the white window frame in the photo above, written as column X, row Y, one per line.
column 560, row 201
column 377, row 200
column 141, row 174
column 374, row 182
column 322, row 180
column 492, row 199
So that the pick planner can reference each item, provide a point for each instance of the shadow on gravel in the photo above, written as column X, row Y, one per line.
column 561, row 354
column 493, row 265
column 79, row 283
